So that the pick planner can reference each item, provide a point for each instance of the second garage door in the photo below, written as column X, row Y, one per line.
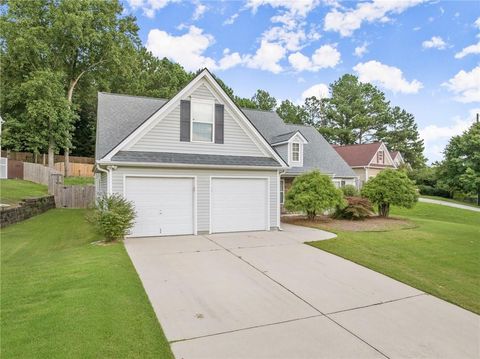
column 164, row 205
column 239, row 204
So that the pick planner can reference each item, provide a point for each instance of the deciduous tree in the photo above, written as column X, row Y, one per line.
column 390, row 187
column 460, row 170
column 313, row 193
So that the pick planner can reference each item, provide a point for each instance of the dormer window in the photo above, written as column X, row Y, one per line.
column 295, row 152
column 380, row 157
column 202, row 118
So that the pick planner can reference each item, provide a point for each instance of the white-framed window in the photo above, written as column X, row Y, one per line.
column 342, row 183
column 282, row 191
column 380, row 157
column 202, row 120
column 295, row 152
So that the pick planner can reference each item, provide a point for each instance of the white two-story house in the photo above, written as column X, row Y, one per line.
column 199, row 164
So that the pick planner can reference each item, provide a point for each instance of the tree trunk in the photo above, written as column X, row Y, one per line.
column 478, row 190
column 67, row 162
column 311, row 215
column 383, row 209
column 51, row 154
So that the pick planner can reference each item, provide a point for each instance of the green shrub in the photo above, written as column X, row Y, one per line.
column 432, row 191
column 350, row 191
column 114, row 216
column 390, row 187
column 313, row 193
column 356, row 208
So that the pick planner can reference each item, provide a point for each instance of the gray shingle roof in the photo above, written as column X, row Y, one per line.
column 118, row 116
column 317, row 153
column 283, row 137
column 193, row 158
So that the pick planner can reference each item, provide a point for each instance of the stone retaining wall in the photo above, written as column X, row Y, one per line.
column 27, row 208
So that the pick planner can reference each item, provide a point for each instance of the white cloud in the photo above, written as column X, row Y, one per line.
column 199, row 11
column 231, row 19
column 319, row 91
column 186, row 49
column 149, row 7
column 361, row 50
column 295, row 7
column 436, row 42
column 347, row 21
column 291, row 39
column 389, row 77
column 472, row 49
column 477, row 23
column 323, row 57
column 436, row 137
column 326, row 56
column 466, row 85
column 229, row 60
column 266, row 57
column 299, row 61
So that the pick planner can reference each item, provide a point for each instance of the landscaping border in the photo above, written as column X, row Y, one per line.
column 27, row 208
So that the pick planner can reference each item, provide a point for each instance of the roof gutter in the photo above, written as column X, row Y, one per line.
column 186, row 165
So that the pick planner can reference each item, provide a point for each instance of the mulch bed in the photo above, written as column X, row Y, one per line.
column 371, row 224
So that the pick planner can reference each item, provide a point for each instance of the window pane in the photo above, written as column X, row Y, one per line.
column 295, row 152
column 202, row 112
column 202, row 132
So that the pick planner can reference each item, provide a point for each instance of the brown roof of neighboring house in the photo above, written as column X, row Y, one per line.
column 393, row 154
column 358, row 155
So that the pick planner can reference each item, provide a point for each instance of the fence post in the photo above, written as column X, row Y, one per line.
column 54, row 180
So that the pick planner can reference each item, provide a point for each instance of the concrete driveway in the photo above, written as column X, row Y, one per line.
column 268, row 295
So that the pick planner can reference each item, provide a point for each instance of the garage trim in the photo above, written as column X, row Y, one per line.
column 239, row 177
column 168, row 176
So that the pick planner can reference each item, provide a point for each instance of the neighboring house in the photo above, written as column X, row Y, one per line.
column 367, row 160
column 397, row 158
column 303, row 148
column 192, row 164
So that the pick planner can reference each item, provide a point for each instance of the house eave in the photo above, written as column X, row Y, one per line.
column 183, row 165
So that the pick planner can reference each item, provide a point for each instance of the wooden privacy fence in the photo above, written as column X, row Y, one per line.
column 38, row 173
column 29, row 157
column 76, row 169
column 74, row 196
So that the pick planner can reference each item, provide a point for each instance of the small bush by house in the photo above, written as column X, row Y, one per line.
column 357, row 208
column 313, row 193
column 350, row 191
column 113, row 216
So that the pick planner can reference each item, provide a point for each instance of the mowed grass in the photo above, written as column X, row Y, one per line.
column 12, row 191
column 63, row 297
column 78, row 181
column 441, row 256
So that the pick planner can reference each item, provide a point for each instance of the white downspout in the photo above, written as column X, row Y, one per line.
column 100, row 169
column 280, row 172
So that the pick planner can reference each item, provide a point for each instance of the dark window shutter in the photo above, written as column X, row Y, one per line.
column 219, row 123
column 185, row 120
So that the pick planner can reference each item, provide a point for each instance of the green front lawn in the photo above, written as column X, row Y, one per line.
column 12, row 191
column 63, row 297
column 441, row 256
column 78, row 181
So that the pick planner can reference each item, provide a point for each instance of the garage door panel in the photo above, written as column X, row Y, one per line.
column 239, row 204
column 164, row 206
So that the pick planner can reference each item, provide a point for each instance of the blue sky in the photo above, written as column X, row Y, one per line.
column 423, row 54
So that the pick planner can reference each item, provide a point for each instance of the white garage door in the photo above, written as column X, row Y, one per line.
column 164, row 205
column 239, row 204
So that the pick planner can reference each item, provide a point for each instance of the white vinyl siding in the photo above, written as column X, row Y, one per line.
column 165, row 136
column 203, row 187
